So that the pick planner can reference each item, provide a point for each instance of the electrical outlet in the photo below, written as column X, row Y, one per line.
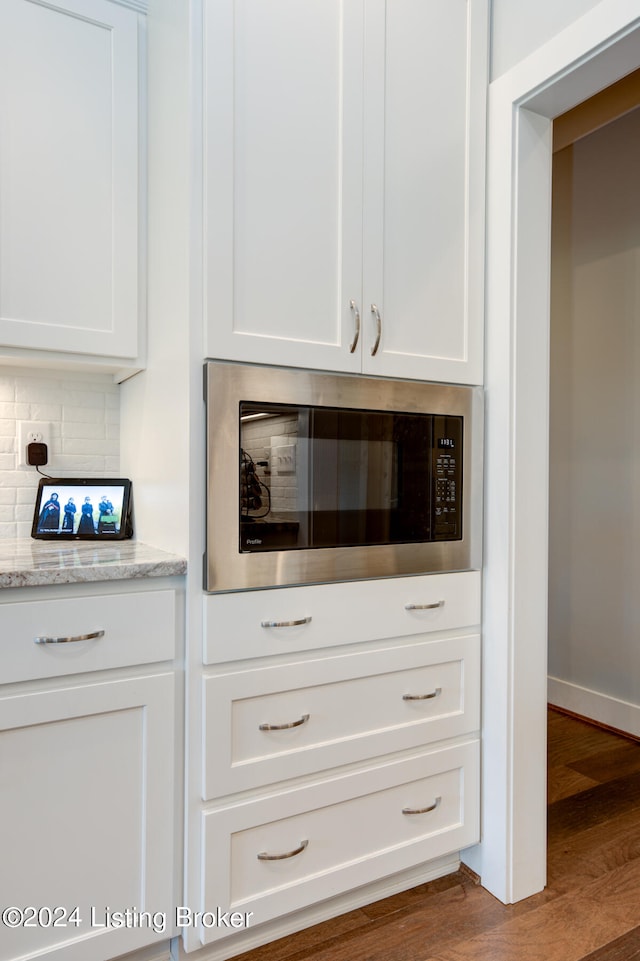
column 30, row 432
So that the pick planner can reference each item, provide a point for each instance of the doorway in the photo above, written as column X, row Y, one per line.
column 598, row 50
column 594, row 437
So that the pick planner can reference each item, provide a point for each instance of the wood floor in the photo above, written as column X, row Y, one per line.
column 589, row 911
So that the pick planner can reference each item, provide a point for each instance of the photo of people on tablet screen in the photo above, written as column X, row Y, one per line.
column 81, row 510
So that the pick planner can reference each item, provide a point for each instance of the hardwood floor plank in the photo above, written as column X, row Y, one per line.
column 626, row 948
column 594, row 806
column 413, row 897
column 564, row 781
column 459, row 913
column 567, row 929
column 591, row 854
column 613, row 763
column 570, row 740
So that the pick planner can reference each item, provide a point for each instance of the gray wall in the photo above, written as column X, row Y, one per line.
column 519, row 27
column 594, row 588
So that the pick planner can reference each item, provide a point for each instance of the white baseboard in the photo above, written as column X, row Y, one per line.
column 592, row 704
column 323, row 911
column 156, row 952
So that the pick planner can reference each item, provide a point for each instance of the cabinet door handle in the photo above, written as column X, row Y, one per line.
column 376, row 314
column 423, row 607
column 301, row 620
column 422, row 697
column 356, row 317
column 284, row 727
column 263, row 856
column 426, row 810
column 68, row 640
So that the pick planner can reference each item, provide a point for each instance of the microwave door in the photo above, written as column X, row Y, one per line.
column 370, row 478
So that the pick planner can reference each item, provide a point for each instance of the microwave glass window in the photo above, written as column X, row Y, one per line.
column 326, row 477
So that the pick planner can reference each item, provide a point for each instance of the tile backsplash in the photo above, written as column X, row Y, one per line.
column 84, row 413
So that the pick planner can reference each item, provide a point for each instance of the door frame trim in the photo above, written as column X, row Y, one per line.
column 594, row 52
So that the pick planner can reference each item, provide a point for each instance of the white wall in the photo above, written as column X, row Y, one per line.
column 84, row 411
column 518, row 27
column 594, row 602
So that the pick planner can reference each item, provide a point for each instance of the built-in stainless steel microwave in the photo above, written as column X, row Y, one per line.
column 316, row 477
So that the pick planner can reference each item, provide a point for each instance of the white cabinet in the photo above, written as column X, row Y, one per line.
column 69, row 179
column 337, row 752
column 88, row 773
column 279, row 853
column 344, row 174
column 290, row 720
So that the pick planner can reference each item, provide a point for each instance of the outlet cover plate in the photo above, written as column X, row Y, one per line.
column 28, row 431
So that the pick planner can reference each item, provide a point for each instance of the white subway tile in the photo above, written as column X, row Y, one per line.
column 37, row 392
column 26, row 495
column 24, row 512
column 51, row 413
column 84, row 413
column 78, row 445
column 83, row 431
column 84, row 398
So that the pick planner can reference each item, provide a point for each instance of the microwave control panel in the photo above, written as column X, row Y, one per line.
column 447, row 478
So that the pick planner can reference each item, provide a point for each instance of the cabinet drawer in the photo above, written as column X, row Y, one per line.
column 333, row 836
column 273, row 723
column 326, row 615
column 137, row 628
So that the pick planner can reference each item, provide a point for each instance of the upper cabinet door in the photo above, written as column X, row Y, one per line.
column 283, row 160
column 344, row 183
column 423, row 237
column 69, row 177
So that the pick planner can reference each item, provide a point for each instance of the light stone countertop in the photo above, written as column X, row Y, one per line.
column 32, row 563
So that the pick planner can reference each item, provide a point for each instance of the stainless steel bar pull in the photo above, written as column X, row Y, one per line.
column 426, row 810
column 422, row 697
column 284, row 727
column 68, row 640
column 263, row 856
column 356, row 336
column 376, row 314
column 423, row 607
column 300, row 620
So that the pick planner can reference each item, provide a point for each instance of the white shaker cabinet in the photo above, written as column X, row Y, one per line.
column 69, row 179
column 344, row 184
column 88, row 770
column 340, row 748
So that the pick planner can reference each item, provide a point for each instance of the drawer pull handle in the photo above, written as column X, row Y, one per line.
column 263, row 856
column 68, row 640
column 422, row 697
column 301, row 620
column 376, row 314
column 423, row 607
column 356, row 336
column 431, row 807
column 284, row 727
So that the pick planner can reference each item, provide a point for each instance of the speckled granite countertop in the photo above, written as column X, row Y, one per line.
column 31, row 563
